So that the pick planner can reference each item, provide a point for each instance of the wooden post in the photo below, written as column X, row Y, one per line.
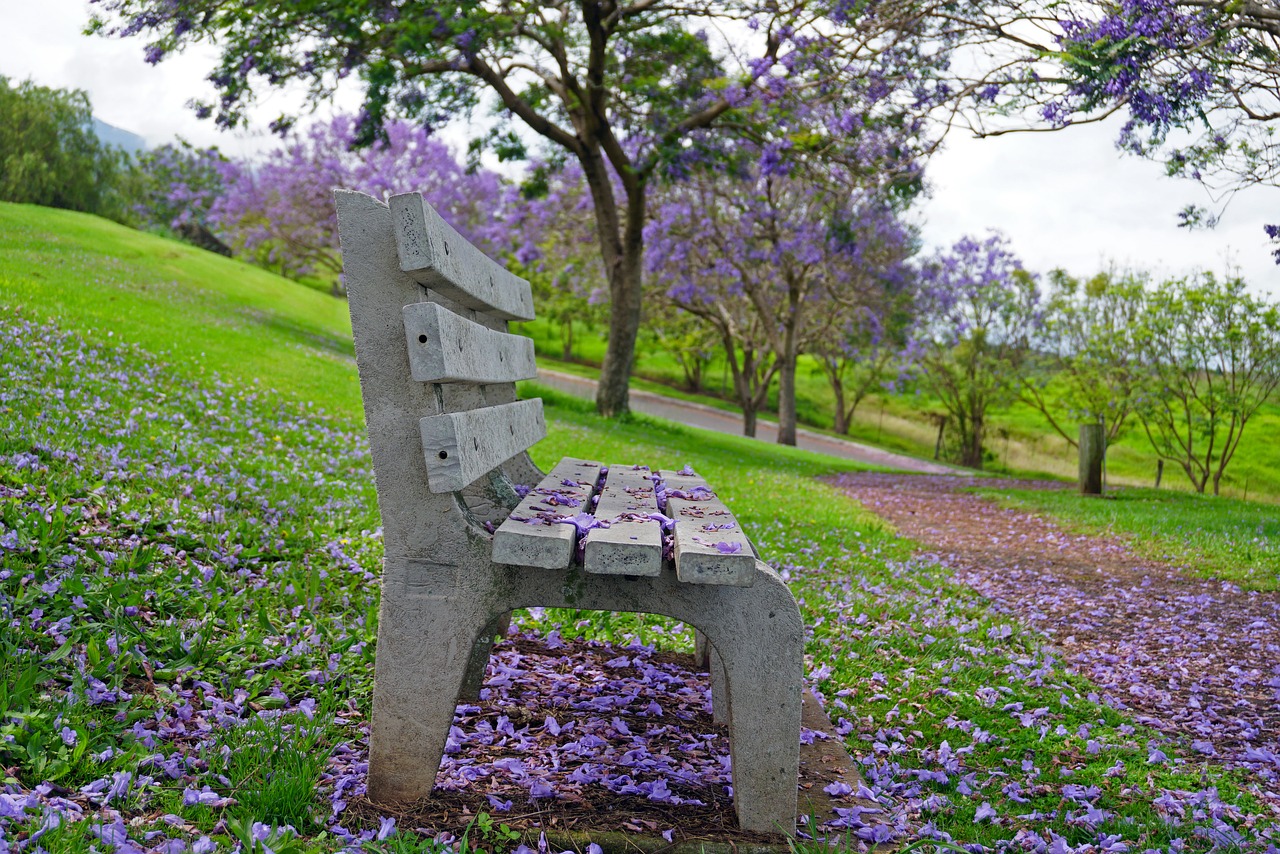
column 1092, row 449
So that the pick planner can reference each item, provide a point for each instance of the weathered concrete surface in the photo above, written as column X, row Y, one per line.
column 632, row 543
column 710, row 547
column 710, row 418
column 444, row 347
column 461, row 447
column 540, row 543
column 435, row 255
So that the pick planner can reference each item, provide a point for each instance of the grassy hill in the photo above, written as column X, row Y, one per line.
column 188, row 568
column 198, row 310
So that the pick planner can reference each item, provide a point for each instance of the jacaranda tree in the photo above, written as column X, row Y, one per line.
column 174, row 188
column 979, row 310
column 1194, row 79
column 864, row 341
column 642, row 88
column 765, row 255
column 279, row 210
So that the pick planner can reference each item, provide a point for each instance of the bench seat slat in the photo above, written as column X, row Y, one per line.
column 461, row 447
column 446, row 348
column 530, row 536
column 710, row 546
column 632, row 544
column 437, row 256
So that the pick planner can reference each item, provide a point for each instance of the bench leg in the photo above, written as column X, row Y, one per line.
column 425, row 646
column 764, row 743
column 719, row 688
column 706, row 657
column 480, row 656
column 761, row 653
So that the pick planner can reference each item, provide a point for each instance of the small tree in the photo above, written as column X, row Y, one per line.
column 863, row 340
column 1212, row 353
column 687, row 338
column 980, row 309
column 174, row 188
column 1091, row 367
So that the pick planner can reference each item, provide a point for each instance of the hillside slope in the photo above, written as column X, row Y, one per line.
column 199, row 311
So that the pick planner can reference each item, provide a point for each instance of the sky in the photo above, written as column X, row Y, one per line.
column 1065, row 199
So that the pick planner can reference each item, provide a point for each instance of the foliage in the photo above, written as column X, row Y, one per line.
column 1090, row 339
column 763, row 253
column 1203, row 69
column 683, row 336
column 1213, row 356
column 553, row 224
column 177, row 184
column 280, row 212
column 980, row 309
column 635, row 91
column 49, row 154
column 865, row 341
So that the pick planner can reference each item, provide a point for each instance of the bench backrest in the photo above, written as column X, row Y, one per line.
column 429, row 315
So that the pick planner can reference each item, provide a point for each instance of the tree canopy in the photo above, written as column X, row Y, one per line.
column 49, row 154
column 630, row 91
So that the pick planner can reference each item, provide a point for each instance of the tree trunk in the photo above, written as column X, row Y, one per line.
column 613, row 392
column 787, row 400
column 1092, row 451
column 749, row 421
column 971, row 446
column 566, row 340
column 841, row 422
column 622, row 249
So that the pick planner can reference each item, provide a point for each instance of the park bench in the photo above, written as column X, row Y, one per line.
column 463, row 549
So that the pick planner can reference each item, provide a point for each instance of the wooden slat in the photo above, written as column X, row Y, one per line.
column 462, row 446
column 437, row 256
column 446, row 348
column 710, row 545
column 532, row 534
column 632, row 544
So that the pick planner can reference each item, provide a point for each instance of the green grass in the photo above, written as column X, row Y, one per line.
column 1225, row 538
column 1020, row 440
column 200, row 311
column 238, row 524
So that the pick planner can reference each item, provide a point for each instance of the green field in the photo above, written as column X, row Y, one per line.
column 200, row 311
column 1019, row 439
column 207, row 490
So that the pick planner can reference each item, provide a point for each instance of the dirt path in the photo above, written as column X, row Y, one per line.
column 1188, row 656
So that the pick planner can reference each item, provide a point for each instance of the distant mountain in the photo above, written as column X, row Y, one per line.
column 114, row 136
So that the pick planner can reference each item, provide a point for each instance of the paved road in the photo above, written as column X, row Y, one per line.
column 699, row 415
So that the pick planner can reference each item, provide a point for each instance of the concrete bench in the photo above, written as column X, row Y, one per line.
column 463, row 549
